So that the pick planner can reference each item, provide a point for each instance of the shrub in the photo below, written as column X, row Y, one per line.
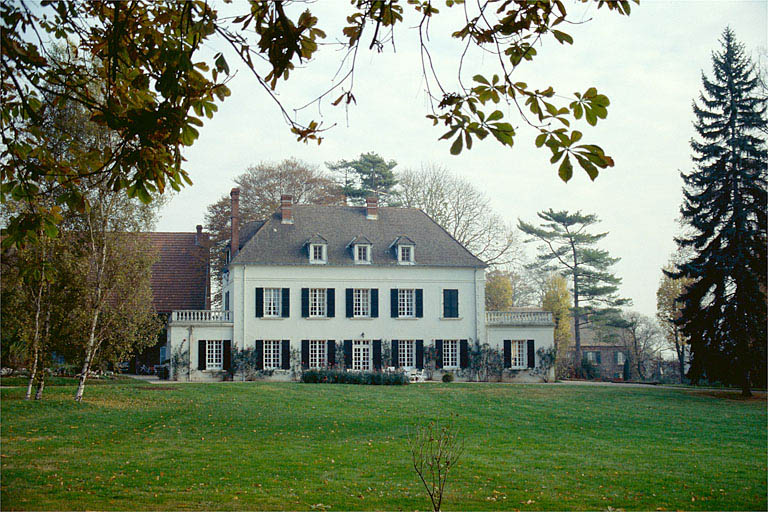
column 448, row 377
column 364, row 378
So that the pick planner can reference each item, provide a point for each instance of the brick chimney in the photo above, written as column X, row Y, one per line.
column 372, row 208
column 199, row 235
column 234, row 221
column 286, row 209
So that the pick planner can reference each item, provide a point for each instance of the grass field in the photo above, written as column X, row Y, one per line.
column 299, row 446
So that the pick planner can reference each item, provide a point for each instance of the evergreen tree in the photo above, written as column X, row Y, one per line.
column 724, row 310
column 569, row 250
column 369, row 175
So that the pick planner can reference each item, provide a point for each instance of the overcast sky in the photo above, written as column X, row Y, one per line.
column 649, row 64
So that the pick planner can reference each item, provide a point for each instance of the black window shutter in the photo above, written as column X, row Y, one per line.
column 450, row 303
column 615, row 358
column 285, row 355
column 395, row 359
column 259, row 352
column 393, row 302
column 419, row 354
column 507, row 353
column 330, row 302
column 305, row 354
column 532, row 355
column 330, row 353
column 438, row 353
column 286, row 309
column 419, row 303
column 377, row 355
column 598, row 352
column 463, row 354
column 201, row 355
column 226, row 353
column 349, row 303
column 226, row 301
column 259, row 302
column 347, row 354
column 374, row 303
column 304, row 302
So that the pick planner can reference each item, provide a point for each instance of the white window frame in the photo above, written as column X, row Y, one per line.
column 322, row 248
column 273, row 354
column 518, row 356
column 362, row 355
column 318, row 306
column 366, row 257
column 361, row 302
column 273, row 302
column 318, row 353
column 406, row 354
column 621, row 359
column 214, row 354
column 400, row 250
column 450, row 354
column 406, row 303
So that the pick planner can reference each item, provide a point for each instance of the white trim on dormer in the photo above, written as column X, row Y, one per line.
column 405, row 254
column 367, row 257
column 318, row 254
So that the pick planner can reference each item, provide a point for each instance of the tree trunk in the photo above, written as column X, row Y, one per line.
column 680, row 349
column 33, row 373
column 41, row 373
column 89, row 352
column 746, row 388
column 35, row 341
column 576, row 318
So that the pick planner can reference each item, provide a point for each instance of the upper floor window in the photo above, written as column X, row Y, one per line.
column 272, row 301
column 317, row 302
column 362, row 253
column 318, row 253
column 406, row 303
column 620, row 358
column 361, row 302
column 405, row 254
column 450, row 303
column 593, row 356
column 450, row 353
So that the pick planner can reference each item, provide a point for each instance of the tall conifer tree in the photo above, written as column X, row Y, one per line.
column 724, row 310
column 570, row 250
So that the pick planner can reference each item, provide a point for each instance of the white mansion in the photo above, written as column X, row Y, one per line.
column 357, row 288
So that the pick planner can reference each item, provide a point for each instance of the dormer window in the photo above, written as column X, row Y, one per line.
column 317, row 249
column 361, row 249
column 318, row 253
column 405, row 254
column 362, row 253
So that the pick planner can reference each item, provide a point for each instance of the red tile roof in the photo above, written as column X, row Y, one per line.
column 180, row 276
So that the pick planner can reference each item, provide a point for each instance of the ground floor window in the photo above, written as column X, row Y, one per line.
column 271, row 354
column 450, row 353
column 406, row 353
column 213, row 355
column 318, row 357
column 620, row 358
column 361, row 355
column 518, row 354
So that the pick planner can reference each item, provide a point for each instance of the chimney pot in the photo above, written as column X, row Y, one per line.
column 234, row 242
column 372, row 208
column 286, row 209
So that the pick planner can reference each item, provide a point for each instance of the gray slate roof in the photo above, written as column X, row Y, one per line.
column 274, row 243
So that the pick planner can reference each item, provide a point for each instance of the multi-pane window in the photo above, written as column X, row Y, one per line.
column 405, row 303
column 620, row 357
column 317, row 253
column 271, row 354
column 361, row 355
column 361, row 302
column 317, row 354
column 213, row 354
column 518, row 354
column 450, row 353
column 593, row 357
column 362, row 253
column 406, row 353
column 272, row 299
column 317, row 302
column 406, row 254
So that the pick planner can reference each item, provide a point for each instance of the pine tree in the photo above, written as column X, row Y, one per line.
column 724, row 310
column 570, row 250
column 369, row 175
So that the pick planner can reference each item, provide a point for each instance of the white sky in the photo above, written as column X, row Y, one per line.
column 649, row 64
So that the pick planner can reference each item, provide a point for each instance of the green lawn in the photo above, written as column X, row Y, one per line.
column 300, row 446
